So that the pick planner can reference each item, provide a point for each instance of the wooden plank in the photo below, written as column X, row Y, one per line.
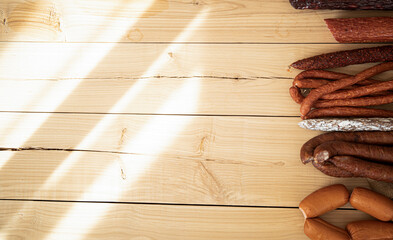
column 240, row 79
column 216, row 96
column 165, row 20
column 63, row 61
column 175, row 159
column 57, row 220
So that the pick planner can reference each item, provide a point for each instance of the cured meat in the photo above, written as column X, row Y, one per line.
column 343, row 4
column 309, row 101
column 348, row 125
column 370, row 152
column 356, row 102
column 358, row 112
column 361, row 30
column 361, row 168
column 345, row 58
column 376, row 138
column 368, row 229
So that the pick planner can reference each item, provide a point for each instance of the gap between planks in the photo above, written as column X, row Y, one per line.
column 164, row 204
column 197, row 43
column 157, row 114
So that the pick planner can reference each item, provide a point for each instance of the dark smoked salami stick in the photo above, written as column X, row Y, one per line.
column 361, row 30
column 345, row 58
column 344, row 5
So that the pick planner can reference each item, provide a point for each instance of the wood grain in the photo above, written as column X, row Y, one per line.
column 51, row 220
column 217, row 96
column 164, row 20
column 175, row 159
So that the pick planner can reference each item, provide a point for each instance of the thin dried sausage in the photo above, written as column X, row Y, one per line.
column 347, row 112
column 345, row 58
column 362, row 91
column 296, row 94
column 355, row 102
column 339, row 4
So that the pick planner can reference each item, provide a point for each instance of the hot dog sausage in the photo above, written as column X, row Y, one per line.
column 370, row 230
column 318, row 229
column 370, row 202
column 324, row 200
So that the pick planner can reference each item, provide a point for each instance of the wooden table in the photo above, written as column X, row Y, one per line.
column 156, row 119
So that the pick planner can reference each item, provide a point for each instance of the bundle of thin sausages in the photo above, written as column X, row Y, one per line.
column 332, row 197
column 351, row 154
column 335, row 94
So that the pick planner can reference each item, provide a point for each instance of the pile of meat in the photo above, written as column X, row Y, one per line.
column 323, row 93
column 331, row 197
column 351, row 154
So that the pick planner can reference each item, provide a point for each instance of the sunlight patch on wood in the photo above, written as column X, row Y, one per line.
column 184, row 98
